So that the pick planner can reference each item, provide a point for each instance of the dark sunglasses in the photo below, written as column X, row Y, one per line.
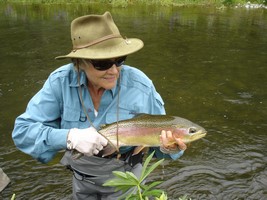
column 103, row 65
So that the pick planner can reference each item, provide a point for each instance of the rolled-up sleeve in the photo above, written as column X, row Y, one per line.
column 157, row 104
column 37, row 131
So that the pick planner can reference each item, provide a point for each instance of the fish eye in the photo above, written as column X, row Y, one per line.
column 192, row 130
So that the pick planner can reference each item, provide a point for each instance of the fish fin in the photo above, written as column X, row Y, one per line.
column 141, row 115
column 138, row 149
column 102, row 126
column 108, row 150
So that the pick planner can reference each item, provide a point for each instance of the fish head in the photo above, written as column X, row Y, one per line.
column 188, row 131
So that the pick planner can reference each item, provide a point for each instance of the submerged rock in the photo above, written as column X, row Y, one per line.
column 4, row 180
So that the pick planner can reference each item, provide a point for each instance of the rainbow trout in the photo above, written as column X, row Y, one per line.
column 144, row 131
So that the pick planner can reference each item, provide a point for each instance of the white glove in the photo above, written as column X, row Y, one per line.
column 87, row 141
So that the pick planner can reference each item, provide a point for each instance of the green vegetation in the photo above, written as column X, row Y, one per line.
column 13, row 197
column 125, row 3
column 139, row 190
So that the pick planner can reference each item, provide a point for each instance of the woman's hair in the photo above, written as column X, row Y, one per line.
column 76, row 62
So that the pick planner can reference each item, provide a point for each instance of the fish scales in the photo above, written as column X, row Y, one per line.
column 145, row 130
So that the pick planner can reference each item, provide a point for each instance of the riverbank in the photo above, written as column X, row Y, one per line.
column 125, row 3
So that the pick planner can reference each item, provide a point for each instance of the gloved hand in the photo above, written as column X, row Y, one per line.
column 87, row 141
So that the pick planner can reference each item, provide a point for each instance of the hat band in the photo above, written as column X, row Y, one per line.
column 107, row 37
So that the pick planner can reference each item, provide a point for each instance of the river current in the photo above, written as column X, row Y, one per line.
column 208, row 64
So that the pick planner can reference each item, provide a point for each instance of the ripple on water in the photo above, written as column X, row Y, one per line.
column 237, row 172
column 33, row 180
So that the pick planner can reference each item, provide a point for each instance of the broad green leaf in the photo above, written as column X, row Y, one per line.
column 162, row 197
column 154, row 193
column 133, row 197
column 127, row 195
column 13, row 197
column 143, row 187
column 146, row 164
column 132, row 177
column 150, row 169
column 120, row 174
column 136, row 188
column 153, row 184
column 117, row 182
column 122, row 188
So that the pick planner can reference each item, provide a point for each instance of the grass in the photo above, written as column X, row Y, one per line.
column 125, row 3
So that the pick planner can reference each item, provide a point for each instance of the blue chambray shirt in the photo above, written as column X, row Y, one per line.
column 41, row 131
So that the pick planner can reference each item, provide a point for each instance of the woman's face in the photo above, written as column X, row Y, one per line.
column 98, row 79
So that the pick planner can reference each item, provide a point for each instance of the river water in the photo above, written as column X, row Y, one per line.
column 208, row 64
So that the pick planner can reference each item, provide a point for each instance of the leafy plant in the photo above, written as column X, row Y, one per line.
column 184, row 198
column 13, row 197
column 127, row 181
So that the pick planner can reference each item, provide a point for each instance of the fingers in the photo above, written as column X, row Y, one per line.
column 103, row 141
column 167, row 138
column 91, row 152
column 99, row 139
column 99, row 145
column 87, row 141
column 98, row 142
column 182, row 146
column 95, row 151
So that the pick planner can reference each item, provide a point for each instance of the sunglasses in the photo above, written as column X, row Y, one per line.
column 103, row 65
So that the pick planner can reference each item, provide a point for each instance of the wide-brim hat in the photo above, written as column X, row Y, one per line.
column 97, row 37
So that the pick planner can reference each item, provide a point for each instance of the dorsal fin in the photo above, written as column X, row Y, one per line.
column 138, row 115
column 102, row 126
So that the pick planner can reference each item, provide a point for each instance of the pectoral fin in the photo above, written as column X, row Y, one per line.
column 108, row 150
column 138, row 149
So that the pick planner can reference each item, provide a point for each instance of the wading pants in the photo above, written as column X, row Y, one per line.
column 89, row 174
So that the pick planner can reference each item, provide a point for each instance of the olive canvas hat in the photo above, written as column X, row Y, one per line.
column 97, row 37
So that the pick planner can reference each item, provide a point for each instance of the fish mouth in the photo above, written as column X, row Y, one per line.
column 196, row 136
column 204, row 133
column 201, row 135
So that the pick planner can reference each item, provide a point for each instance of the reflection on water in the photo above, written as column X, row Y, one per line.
column 209, row 66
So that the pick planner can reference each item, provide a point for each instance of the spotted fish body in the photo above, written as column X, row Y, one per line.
column 145, row 130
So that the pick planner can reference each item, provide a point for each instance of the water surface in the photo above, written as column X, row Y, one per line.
column 208, row 64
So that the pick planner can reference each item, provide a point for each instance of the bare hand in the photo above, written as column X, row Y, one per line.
column 167, row 141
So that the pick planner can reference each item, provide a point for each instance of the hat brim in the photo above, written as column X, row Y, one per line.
column 108, row 49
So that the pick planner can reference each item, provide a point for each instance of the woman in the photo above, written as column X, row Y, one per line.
column 96, row 88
